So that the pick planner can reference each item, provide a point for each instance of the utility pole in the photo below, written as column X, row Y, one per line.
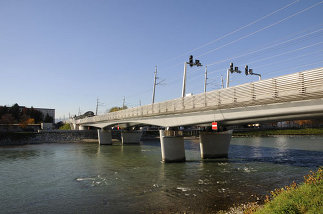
column 139, row 102
column 184, row 80
column 222, row 85
column 79, row 111
column 97, row 106
column 123, row 102
column 205, row 79
column 155, row 83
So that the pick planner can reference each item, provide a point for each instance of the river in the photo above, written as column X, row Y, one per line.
column 88, row 178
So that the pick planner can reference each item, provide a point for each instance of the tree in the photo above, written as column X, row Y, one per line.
column 7, row 119
column 116, row 108
column 15, row 111
column 48, row 119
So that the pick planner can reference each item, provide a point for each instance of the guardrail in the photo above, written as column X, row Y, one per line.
column 293, row 87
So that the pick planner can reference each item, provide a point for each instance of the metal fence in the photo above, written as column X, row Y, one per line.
column 298, row 86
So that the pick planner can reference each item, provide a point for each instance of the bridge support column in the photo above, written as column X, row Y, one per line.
column 104, row 137
column 83, row 127
column 215, row 144
column 131, row 137
column 172, row 147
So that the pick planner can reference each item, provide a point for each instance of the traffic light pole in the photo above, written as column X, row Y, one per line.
column 205, row 79
column 155, row 78
column 184, row 80
column 228, row 80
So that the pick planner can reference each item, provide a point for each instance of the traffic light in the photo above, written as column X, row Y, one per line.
column 197, row 63
column 190, row 62
column 231, row 67
column 246, row 70
column 236, row 69
column 250, row 71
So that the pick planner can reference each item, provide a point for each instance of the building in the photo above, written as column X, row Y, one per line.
column 44, row 111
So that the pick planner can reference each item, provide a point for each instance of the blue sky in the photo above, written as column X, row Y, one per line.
column 63, row 54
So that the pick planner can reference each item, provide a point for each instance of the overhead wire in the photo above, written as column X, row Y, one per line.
column 235, row 31
column 258, row 50
column 228, row 34
column 264, row 28
column 263, row 59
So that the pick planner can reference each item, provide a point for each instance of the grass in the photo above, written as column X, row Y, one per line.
column 295, row 199
column 306, row 197
column 308, row 131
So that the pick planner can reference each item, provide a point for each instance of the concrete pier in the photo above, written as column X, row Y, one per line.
column 215, row 144
column 172, row 147
column 104, row 137
column 83, row 127
column 131, row 137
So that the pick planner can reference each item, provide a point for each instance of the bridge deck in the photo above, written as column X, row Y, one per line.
column 299, row 86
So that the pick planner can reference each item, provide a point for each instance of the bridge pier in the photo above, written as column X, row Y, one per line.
column 172, row 147
column 104, row 137
column 83, row 127
column 131, row 137
column 215, row 144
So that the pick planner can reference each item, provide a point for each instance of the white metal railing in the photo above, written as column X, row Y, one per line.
column 298, row 86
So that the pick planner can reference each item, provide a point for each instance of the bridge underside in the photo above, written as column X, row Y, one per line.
column 306, row 109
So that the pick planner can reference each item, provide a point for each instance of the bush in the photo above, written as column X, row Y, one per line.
column 66, row 126
column 304, row 198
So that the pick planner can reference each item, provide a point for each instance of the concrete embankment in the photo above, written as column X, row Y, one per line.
column 54, row 136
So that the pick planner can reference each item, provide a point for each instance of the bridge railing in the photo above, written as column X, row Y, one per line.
column 292, row 87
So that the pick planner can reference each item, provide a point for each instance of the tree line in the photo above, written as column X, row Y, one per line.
column 22, row 115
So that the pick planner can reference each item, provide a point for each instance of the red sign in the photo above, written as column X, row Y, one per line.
column 214, row 126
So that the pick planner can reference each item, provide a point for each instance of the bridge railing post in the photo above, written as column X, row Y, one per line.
column 275, row 91
column 234, row 96
column 193, row 104
column 301, row 84
column 205, row 104
column 253, row 95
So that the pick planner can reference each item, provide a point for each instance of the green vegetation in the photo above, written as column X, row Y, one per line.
column 308, row 131
column 296, row 199
column 116, row 108
column 66, row 126
column 305, row 198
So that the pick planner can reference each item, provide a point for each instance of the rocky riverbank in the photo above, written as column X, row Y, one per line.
column 54, row 136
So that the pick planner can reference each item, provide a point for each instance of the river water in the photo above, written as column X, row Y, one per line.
column 88, row 178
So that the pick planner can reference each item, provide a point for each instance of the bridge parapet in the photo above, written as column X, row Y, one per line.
column 303, row 85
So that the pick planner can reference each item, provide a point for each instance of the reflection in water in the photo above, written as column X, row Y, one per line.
column 131, row 178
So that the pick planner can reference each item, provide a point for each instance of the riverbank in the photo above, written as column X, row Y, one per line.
column 306, row 197
column 308, row 131
column 54, row 136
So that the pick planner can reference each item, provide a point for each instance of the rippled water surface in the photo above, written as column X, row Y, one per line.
column 83, row 178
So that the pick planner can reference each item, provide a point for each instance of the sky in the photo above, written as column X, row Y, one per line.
column 66, row 54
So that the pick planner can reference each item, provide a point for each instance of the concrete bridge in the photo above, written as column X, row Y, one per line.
column 294, row 96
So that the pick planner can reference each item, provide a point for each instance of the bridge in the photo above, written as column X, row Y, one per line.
column 293, row 96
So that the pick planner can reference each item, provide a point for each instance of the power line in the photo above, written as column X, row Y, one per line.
column 262, row 59
column 265, row 48
column 236, row 30
column 264, row 28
